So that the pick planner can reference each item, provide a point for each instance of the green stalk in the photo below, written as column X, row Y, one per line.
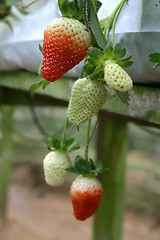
column 115, row 20
column 110, row 21
column 5, row 158
column 64, row 133
column 112, row 146
column 87, row 140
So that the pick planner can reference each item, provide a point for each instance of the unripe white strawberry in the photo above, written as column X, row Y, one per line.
column 116, row 77
column 87, row 97
column 54, row 165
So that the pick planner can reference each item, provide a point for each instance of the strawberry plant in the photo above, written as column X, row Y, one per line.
column 79, row 35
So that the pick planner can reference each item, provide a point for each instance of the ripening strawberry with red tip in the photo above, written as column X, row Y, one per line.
column 65, row 44
column 86, row 194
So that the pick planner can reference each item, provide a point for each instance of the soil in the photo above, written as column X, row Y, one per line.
column 44, row 213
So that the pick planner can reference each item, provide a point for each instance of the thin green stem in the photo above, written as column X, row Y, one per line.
column 107, row 22
column 87, row 139
column 94, row 129
column 64, row 133
column 115, row 20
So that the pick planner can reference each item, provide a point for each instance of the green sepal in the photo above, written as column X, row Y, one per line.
column 40, row 47
column 99, row 167
column 42, row 84
column 124, row 63
column 82, row 166
column 53, row 142
column 72, row 169
column 71, row 8
column 93, row 66
column 117, row 54
column 86, row 167
column 88, row 68
column 94, row 62
column 95, row 56
column 70, row 145
column 155, row 58
column 109, row 51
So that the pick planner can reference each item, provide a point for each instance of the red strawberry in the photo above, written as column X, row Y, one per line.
column 86, row 193
column 66, row 42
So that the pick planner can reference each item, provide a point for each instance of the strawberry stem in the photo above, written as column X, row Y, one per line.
column 116, row 18
column 64, row 133
column 89, row 137
column 87, row 140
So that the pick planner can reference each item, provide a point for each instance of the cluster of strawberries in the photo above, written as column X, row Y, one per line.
column 86, row 191
column 66, row 42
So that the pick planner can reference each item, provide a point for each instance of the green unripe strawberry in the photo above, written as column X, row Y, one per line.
column 116, row 77
column 54, row 165
column 87, row 97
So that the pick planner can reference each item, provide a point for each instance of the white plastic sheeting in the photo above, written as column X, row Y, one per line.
column 138, row 30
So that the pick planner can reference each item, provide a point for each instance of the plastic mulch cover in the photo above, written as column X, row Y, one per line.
column 138, row 29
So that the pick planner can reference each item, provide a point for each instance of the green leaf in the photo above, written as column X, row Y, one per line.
column 155, row 58
column 95, row 27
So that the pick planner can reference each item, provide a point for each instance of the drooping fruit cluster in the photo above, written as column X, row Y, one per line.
column 66, row 42
column 87, row 97
column 86, row 191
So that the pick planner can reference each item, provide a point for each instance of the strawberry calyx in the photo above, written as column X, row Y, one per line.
column 71, row 8
column 117, row 54
column 54, row 143
column 96, row 59
column 86, row 168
